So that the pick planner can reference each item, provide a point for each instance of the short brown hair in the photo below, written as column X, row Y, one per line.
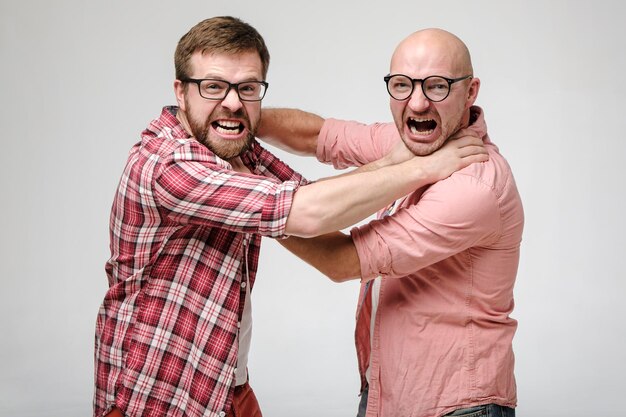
column 222, row 34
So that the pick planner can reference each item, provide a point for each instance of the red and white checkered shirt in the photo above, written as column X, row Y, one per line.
column 185, row 229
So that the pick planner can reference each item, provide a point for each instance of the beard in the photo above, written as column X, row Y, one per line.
column 422, row 149
column 224, row 148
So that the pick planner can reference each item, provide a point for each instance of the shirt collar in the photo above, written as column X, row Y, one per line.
column 169, row 120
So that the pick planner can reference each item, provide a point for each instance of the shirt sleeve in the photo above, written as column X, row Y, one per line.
column 190, row 190
column 451, row 216
column 347, row 143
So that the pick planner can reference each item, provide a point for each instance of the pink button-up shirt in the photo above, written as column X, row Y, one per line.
column 448, row 258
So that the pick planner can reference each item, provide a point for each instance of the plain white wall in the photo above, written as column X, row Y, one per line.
column 79, row 81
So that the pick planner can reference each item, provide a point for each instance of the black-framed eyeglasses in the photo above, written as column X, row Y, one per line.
column 218, row 89
column 435, row 87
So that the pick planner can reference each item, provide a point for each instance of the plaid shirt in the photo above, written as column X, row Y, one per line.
column 185, row 229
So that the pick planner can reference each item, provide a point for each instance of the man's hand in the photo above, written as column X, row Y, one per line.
column 398, row 154
column 462, row 149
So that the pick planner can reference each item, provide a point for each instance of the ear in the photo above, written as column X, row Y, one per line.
column 179, row 92
column 472, row 92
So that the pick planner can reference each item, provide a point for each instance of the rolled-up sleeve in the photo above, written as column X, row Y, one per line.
column 194, row 192
column 451, row 216
column 347, row 143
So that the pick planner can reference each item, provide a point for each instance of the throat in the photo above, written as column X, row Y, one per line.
column 239, row 166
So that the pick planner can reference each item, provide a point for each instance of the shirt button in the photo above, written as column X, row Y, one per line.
column 222, row 413
column 243, row 284
column 239, row 325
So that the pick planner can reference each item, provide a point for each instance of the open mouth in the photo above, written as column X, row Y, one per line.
column 228, row 127
column 421, row 126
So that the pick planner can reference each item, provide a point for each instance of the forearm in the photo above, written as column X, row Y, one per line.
column 292, row 130
column 333, row 254
column 338, row 202
column 372, row 166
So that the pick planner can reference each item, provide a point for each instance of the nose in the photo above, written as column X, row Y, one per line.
column 232, row 101
column 418, row 101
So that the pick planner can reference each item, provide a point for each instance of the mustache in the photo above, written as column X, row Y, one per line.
column 222, row 114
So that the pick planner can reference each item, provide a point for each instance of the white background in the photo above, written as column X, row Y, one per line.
column 79, row 80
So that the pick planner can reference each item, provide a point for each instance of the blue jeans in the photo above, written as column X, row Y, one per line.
column 362, row 404
column 489, row 410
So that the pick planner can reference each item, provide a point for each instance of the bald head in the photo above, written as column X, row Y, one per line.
column 434, row 48
column 427, row 115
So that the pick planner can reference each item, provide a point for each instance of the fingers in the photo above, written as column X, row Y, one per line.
column 472, row 149
column 470, row 159
column 470, row 155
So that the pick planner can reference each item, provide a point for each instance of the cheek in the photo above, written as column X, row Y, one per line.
column 201, row 110
column 397, row 109
column 254, row 112
column 451, row 115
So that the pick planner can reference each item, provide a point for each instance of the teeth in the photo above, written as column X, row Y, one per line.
column 228, row 124
column 413, row 127
column 421, row 132
column 227, row 127
column 225, row 131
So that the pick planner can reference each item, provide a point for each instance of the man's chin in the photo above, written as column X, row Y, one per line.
column 422, row 148
column 229, row 150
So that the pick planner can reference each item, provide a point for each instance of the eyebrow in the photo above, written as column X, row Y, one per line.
column 219, row 78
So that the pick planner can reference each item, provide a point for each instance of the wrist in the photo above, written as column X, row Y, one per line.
column 415, row 170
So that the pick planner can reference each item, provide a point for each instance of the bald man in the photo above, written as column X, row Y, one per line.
column 433, row 332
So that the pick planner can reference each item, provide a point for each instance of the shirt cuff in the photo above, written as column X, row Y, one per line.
column 322, row 137
column 276, row 211
column 374, row 256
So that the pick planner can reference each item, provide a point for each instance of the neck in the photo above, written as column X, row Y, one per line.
column 238, row 165
column 182, row 118
column 465, row 120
